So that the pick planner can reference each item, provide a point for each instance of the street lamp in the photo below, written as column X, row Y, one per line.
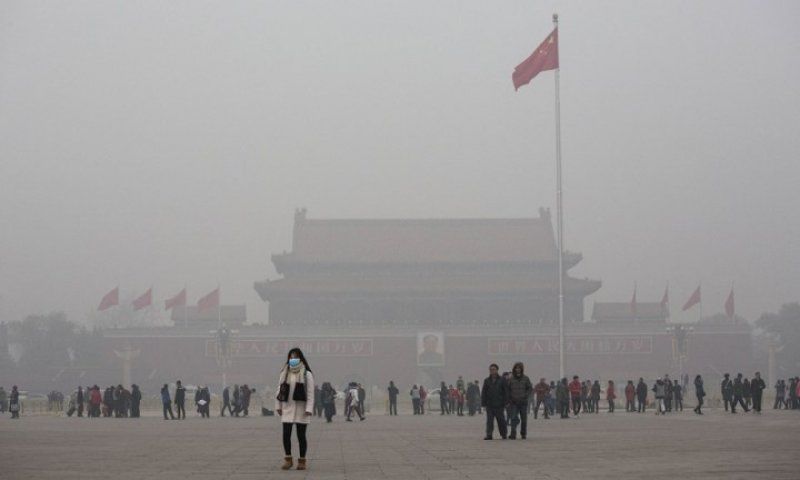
column 223, row 335
column 680, row 346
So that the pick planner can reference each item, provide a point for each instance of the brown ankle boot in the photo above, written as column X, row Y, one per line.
column 301, row 463
column 287, row 463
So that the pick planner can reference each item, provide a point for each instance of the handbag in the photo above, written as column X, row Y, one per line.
column 283, row 392
column 14, row 407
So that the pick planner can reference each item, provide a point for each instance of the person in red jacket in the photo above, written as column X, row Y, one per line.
column 95, row 399
column 611, row 395
column 575, row 395
column 630, row 394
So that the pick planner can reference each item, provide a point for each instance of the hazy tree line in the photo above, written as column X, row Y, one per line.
column 43, row 344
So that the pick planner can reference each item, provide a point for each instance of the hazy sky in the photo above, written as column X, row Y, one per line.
column 163, row 143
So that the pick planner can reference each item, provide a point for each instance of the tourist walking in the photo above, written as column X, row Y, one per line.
column 414, row 393
column 13, row 402
column 318, row 407
column 393, row 392
column 136, row 400
column 562, row 398
column 780, row 395
column 79, row 401
column 757, row 387
column 747, row 392
column 180, row 401
column 362, row 397
column 166, row 403
column 726, row 388
column 641, row 395
column 352, row 403
column 699, row 392
column 738, row 394
column 328, row 398
column 295, row 405
column 494, row 398
column 630, row 396
column 519, row 391
column 575, row 388
column 660, row 391
column 677, row 396
column 95, row 400
column 444, row 399
column 541, row 390
column 611, row 395
column 595, row 394
column 473, row 398
column 226, row 402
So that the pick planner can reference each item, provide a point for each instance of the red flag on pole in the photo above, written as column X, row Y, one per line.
column 665, row 298
column 730, row 309
column 109, row 300
column 211, row 300
column 178, row 300
column 144, row 300
column 693, row 300
column 633, row 302
column 545, row 57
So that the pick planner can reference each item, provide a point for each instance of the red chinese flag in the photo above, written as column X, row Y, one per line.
column 210, row 301
column 665, row 298
column 693, row 300
column 730, row 309
column 178, row 300
column 145, row 300
column 111, row 298
column 545, row 57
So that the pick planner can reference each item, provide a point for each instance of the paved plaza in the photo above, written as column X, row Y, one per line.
column 622, row 445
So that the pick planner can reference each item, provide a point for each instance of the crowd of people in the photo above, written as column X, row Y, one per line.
column 509, row 398
column 564, row 398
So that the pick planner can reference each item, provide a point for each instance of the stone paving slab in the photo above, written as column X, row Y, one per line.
column 603, row 446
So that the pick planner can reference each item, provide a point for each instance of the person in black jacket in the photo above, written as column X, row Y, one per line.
column 180, row 401
column 494, row 397
column 757, row 387
column 136, row 400
column 79, row 400
column 444, row 403
column 519, row 391
column 641, row 395
column 726, row 388
column 393, row 392
column 738, row 394
column 226, row 402
column 700, row 392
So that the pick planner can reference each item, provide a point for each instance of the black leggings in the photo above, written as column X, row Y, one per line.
column 301, row 438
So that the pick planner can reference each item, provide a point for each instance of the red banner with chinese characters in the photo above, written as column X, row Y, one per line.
column 585, row 345
column 345, row 347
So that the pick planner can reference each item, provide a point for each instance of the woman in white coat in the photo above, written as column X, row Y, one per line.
column 295, row 404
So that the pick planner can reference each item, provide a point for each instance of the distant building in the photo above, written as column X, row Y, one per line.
column 445, row 273
column 234, row 316
column 606, row 313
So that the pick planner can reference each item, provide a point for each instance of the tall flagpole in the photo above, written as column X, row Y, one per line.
column 560, row 220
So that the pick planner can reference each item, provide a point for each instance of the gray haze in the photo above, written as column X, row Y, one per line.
column 163, row 143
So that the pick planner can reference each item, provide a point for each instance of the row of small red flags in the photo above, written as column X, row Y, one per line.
column 208, row 301
column 693, row 300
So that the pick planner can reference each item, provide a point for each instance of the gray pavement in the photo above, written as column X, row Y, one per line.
column 602, row 446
